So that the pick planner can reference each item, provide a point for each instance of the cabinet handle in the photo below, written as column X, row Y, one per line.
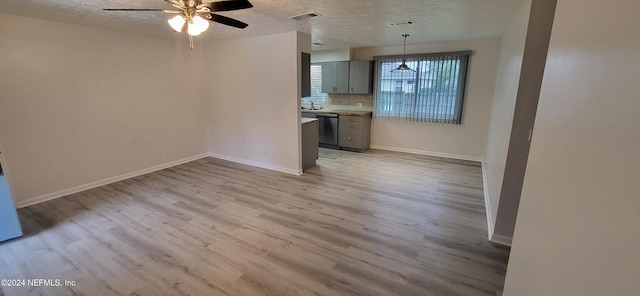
column 349, row 138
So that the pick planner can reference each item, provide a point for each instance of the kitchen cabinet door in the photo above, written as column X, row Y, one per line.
column 335, row 77
column 354, row 132
column 342, row 78
column 360, row 77
column 328, row 77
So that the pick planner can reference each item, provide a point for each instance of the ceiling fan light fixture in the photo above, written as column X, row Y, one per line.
column 197, row 26
column 177, row 23
column 193, row 31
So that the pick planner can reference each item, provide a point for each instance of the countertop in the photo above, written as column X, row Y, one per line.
column 307, row 120
column 340, row 112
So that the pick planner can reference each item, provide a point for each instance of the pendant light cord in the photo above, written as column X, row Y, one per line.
column 404, row 47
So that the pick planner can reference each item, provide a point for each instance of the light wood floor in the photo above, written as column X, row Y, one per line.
column 378, row 223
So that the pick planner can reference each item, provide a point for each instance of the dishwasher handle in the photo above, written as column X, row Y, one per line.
column 327, row 115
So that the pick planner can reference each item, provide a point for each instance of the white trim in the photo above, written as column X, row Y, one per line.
column 487, row 201
column 494, row 238
column 76, row 189
column 257, row 164
column 501, row 240
column 430, row 153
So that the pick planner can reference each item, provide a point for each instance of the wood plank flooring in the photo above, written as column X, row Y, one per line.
column 377, row 223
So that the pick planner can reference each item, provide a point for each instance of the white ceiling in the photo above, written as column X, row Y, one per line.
column 343, row 24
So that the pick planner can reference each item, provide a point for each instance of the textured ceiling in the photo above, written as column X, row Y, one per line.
column 343, row 24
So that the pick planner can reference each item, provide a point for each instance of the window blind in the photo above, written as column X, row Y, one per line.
column 317, row 97
column 433, row 93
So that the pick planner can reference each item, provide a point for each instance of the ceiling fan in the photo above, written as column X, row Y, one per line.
column 192, row 14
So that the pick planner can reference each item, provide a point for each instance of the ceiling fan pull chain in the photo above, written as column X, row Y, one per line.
column 191, row 42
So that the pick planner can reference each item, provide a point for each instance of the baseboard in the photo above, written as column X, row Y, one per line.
column 487, row 201
column 493, row 238
column 501, row 240
column 61, row 193
column 257, row 164
column 430, row 153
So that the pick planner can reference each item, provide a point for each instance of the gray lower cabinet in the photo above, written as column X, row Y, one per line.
column 354, row 132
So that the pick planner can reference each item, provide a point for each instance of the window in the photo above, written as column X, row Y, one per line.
column 433, row 93
column 317, row 97
column 398, row 85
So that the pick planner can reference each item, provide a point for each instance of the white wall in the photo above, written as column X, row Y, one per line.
column 577, row 226
column 504, row 101
column 330, row 55
column 79, row 105
column 467, row 140
column 254, row 114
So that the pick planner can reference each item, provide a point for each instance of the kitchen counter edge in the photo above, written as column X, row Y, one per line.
column 340, row 112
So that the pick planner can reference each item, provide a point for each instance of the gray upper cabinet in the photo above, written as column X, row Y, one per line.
column 360, row 77
column 335, row 77
column 347, row 77
column 328, row 77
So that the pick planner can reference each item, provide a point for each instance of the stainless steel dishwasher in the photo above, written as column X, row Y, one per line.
column 328, row 123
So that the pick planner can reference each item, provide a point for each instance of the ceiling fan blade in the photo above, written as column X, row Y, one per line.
column 133, row 9
column 229, row 5
column 227, row 21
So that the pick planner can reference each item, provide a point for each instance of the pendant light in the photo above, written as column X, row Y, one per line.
column 403, row 66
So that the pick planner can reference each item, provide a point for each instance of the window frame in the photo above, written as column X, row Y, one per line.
column 421, row 114
column 320, row 97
